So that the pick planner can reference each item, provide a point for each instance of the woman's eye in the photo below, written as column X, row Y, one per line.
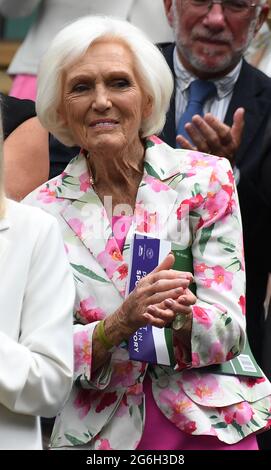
column 80, row 87
column 122, row 83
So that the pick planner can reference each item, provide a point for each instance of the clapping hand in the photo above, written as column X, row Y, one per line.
column 210, row 135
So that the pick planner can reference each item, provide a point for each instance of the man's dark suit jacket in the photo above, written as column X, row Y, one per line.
column 252, row 91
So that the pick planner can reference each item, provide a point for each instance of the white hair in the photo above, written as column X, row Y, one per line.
column 2, row 198
column 72, row 42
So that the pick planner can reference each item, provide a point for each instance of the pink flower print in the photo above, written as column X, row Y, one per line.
column 228, row 415
column 197, row 159
column 113, row 250
column 242, row 413
column 216, row 353
column 213, row 178
column 123, row 271
column 145, row 221
column 268, row 423
column 155, row 184
column 203, row 160
column 203, row 391
column 108, row 398
column 201, row 316
column 47, row 195
column 122, row 409
column 222, row 278
column 203, row 387
column 135, row 394
column 200, row 268
column 192, row 203
column 89, row 312
column 231, row 177
column 104, row 445
column 178, row 403
column 228, row 189
column 84, row 181
column 77, row 226
column 216, row 204
column 195, row 359
column 123, row 374
column 82, row 349
column 230, row 356
column 110, row 257
column 190, row 427
column 155, row 139
column 251, row 381
column 82, row 402
column 190, row 172
column 242, row 303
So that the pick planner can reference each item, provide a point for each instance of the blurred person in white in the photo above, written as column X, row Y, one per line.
column 52, row 15
column 36, row 302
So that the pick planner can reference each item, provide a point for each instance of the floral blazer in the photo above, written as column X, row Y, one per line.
column 181, row 192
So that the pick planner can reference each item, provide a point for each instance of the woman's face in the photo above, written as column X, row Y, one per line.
column 102, row 103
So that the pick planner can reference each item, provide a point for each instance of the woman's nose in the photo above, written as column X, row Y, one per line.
column 101, row 100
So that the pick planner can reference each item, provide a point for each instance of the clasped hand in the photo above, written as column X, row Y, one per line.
column 158, row 298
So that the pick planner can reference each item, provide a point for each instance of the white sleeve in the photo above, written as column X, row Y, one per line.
column 36, row 371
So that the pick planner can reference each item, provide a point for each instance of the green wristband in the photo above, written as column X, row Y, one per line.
column 102, row 336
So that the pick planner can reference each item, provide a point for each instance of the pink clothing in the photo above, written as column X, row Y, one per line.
column 170, row 437
column 24, row 87
column 120, row 227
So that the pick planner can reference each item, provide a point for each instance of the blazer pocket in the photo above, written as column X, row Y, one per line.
column 217, row 390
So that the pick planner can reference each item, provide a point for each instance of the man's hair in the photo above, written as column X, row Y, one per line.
column 73, row 41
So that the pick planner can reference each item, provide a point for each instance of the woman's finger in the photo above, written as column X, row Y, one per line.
column 177, row 307
column 159, row 317
column 166, row 264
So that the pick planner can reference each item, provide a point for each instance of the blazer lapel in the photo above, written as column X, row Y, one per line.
column 87, row 217
column 156, row 200
column 251, row 95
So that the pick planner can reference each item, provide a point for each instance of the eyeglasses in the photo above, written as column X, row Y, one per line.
column 240, row 8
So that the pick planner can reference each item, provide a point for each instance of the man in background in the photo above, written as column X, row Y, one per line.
column 211, row 38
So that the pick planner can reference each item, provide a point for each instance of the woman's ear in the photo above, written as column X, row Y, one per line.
column 61, row 114
column 147, row 107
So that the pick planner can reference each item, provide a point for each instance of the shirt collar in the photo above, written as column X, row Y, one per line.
column 223, row 85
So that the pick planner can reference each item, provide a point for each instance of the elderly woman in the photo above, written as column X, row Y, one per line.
column 36, row 301
column 105, row 87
